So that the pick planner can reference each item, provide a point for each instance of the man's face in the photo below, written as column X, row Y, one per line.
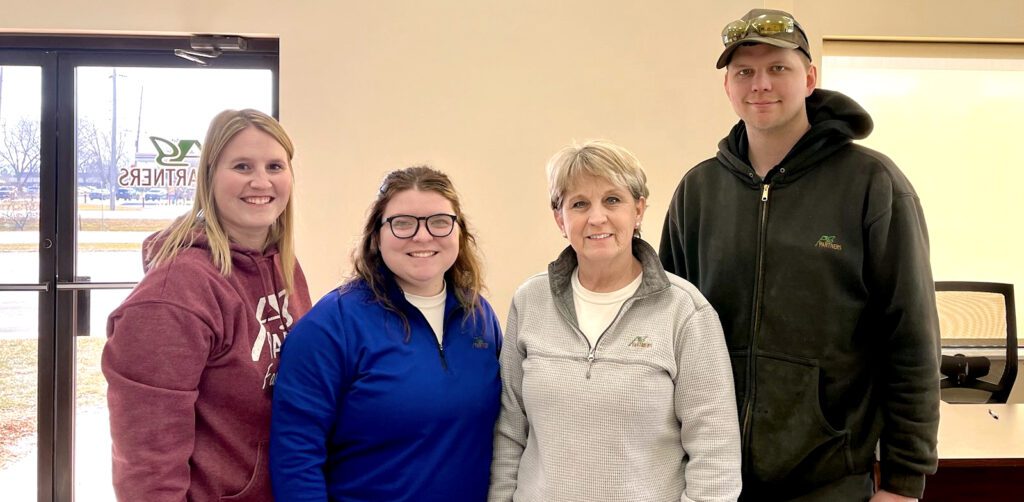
column 767, row 86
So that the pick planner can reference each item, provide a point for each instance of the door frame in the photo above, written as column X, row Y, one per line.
column 58, row 57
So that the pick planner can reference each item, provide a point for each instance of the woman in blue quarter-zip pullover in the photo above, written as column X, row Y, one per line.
column 388, row 389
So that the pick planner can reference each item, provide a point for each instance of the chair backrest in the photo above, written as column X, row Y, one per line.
column 975, row 315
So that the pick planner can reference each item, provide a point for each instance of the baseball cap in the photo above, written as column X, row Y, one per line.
column 763, row 26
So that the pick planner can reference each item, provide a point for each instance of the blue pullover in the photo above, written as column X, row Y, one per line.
column 361, row 412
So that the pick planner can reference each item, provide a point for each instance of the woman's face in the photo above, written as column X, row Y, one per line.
column 599, row 218
column 252, row 182
column 419, row 262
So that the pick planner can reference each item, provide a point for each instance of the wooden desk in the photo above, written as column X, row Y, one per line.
column 980, row 457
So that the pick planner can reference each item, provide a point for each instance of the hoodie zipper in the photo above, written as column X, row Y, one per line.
column 748, row 399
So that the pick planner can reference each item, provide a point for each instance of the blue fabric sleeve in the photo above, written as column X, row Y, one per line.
column 495, row 326
column 309, row 390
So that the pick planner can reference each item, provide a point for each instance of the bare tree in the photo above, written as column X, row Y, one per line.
column 94, row 150
column 19, row 150
column 1, row 90
column 19, row 214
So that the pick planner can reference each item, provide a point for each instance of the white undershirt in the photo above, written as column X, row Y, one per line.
column 595, row 311
column 432, row 308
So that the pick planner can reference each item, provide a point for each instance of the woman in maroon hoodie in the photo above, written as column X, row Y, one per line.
column 192, row 352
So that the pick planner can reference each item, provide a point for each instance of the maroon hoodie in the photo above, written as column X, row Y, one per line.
column 190, row 360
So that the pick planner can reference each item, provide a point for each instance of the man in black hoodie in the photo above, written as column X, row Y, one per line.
column 814, row 252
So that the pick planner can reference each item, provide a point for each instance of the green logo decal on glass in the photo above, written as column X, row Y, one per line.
column 172, row 154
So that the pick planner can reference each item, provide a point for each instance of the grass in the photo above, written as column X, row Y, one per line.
column 103, row 225
column 86, row 246
column 18, row 397
column 95, row 225
column 19, row 394
column 19, row 358
column 120, row 225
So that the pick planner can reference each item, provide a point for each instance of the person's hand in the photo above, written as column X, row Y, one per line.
column 884, row 496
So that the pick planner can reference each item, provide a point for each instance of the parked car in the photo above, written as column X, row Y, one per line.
column 156, row 194
column 7, row 192
column 99, row 194
column 125, row 193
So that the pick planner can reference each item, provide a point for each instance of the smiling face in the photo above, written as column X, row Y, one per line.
column 767, row 86
column 252, row 182
column 599, row 218
column 420, row 262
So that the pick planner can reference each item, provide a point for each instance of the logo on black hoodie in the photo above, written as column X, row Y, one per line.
column 828, row 242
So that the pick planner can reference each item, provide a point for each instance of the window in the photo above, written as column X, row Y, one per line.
column 74, row 209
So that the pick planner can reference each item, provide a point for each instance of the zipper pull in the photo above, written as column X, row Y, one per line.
column 590, row 361
column 764, row 192
column 440, row 353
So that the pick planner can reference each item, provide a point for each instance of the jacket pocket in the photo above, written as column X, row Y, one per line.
column 258, row 487
column 790, row 438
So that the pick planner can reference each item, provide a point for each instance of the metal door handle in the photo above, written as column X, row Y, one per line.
column 86, row 286
column 25, row 287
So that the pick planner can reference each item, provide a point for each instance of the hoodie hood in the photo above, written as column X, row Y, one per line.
column 836, row 120
column 242, row 257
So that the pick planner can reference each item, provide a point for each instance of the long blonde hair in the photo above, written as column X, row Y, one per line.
column 204, row 216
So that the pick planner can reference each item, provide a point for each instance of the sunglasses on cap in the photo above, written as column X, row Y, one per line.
column 766, row 25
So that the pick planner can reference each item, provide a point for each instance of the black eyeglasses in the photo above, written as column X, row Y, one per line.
column 404, row 226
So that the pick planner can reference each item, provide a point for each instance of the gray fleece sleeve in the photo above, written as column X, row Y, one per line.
column 512, row 428
column 705, row 405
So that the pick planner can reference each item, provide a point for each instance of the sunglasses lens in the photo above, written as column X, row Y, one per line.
column 734, row 31
column 769, row 26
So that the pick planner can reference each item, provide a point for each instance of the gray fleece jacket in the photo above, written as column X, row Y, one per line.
column 647, row 414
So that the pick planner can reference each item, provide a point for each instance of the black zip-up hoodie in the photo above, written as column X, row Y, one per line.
column 821, row 277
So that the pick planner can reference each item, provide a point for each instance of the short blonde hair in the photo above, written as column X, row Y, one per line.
column 600, row 158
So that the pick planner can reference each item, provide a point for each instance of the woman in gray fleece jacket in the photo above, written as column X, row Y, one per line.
column 616, row 380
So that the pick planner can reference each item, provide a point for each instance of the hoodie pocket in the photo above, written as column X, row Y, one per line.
column 790, row 438
column 258, row 487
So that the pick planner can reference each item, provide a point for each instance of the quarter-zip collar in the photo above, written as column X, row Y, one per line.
column 398, row 299
column 397, row 296
column 560, row 277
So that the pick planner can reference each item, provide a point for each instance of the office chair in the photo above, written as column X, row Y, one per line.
column 976, row 315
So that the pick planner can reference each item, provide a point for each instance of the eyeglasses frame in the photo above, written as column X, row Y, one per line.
column 418, row 219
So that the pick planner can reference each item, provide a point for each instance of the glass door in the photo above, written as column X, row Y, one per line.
column 25, row 288
column 139, row 132
column 138, row 119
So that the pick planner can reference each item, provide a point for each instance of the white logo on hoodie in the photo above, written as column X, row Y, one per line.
column 271, row 335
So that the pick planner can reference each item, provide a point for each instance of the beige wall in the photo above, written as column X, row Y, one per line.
column 487, row 90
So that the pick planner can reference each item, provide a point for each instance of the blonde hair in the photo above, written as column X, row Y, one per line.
column 204, row 217
column 599, row 158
